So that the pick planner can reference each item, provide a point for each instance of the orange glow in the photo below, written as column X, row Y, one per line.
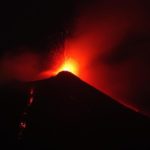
column 69, row 65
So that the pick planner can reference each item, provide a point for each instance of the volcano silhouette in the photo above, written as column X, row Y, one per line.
column 70, row 114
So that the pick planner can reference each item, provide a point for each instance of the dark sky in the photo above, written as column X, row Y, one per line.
column 34, row 23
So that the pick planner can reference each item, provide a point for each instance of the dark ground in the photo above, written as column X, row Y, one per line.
column 67, row 113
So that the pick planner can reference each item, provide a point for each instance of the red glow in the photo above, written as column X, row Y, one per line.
column 31, row 91
column 23, row 125
column 30, row 101
column 31, row 98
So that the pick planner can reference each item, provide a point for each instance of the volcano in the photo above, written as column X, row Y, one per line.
column 66, row 112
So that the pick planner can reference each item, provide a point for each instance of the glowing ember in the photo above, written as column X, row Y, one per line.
column 31, row 91
column 30, row 101
column 23, row 125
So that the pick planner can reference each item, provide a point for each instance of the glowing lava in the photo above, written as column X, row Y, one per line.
column 69, row 65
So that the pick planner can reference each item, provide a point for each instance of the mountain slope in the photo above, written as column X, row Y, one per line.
column 68, row 113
